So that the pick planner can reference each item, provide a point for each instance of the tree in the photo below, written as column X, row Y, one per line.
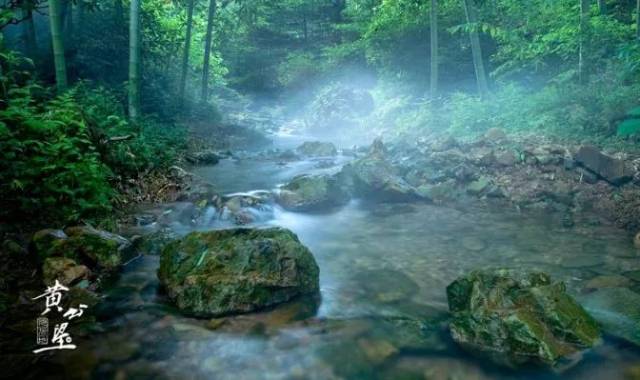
column 434, row 48
column 29, row 32
column 134, row 60
column 638, row 19
column 55, row 12
column 204, row 94
column 476, row 49
column 185, row 53
column 602, row 7
column 584, row 19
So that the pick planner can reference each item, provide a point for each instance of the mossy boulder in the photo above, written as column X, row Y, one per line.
column 515, row 318
column 313, row 193
column 92, row 247
column 374, row 177
column 238, row 270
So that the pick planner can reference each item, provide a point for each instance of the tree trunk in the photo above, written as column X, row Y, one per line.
column 584, row 19
column 476, row 49
column 29, row 34
column 204, row 94
column 118, row 12
column 134, row 60
column 638, row 19
column 434, row 48
column 55, row 12
column 68, row 25
column 602, row 7
column 80, row 17
column 185, row 54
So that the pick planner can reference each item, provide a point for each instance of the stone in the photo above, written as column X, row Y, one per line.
column 317, row 149
column 613, row 170
column 608, row 281
column 205, row 157
column 515, row 318
column 65, row 270
column 377, row 351
column 313, row 193
column 214, row 273
column 87, row 245
column 478, row 186
column 495, row 135
column 617, row 310
column 439, row 192
column 506, row 158
column 636, row 240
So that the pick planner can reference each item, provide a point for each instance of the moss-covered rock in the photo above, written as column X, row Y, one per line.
column 515, row 318
column 63, row 269
column 239, row 270
column 313, row 193
column 94, row 248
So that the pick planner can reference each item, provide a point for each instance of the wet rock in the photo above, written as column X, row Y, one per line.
column 385, row 285
column 611, row 169
column 205, row 157
column 495, row 135
column 376, row 178
column 506, row 158
column 439, row 192
column 317, row 149
column 482, row 156
column 478, row 186
column 515, row 318
column 608, row 281
column 154, row 242
column 237, row 270
column 313, row 193
column 92, row 247
column 617, row 310
column 377, row 351
column 636, row 240
column 65, row 270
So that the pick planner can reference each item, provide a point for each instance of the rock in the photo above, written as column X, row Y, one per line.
column 439, row 192
column 374, row 177
column 377, row 351
column 317, row 149
column 506, row 158
column 478, row 186
column 636, row 240
column 65, row 270
column 611, row 169
column 384, row 285
column 515, row 318
column 84, row 244
column 313, row 193
column 238, row 270
column 206, row 157
column 608, row 281
column 617, row 310
column 495, row 135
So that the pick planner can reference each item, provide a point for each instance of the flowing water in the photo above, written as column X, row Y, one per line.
column 383, row 273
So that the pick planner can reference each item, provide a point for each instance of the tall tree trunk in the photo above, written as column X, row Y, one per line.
column 68, row 25
column 55, row 12
column 204, row 93
column 118, row 11
column 638, row 19
column 185, row 53
column 80, row 17
column 602, row 7
column 584, row 19
column 134, row 60
column 434, row 48
column 29, row 34
column 476, row 49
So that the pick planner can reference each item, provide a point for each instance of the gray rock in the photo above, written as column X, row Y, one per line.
column 611, row 169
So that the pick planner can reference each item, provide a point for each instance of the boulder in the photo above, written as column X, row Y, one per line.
column 516, row 318
column 374, row 177
column 611, row 169
column 238, row 270
column 63, row 269
column 205, row 157
column 92, row 247
column 506, row 158
column 617, row 310
column 317, row 149
column 313, row 193
column 478, row 186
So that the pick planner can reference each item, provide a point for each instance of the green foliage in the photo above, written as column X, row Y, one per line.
column 629, row 127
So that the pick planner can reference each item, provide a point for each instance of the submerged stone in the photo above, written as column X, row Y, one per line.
column 238, row 270
column 516, row 318
column 313, row 193
column 618, row 310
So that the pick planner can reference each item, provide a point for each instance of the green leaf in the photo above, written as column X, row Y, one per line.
column 629, row 127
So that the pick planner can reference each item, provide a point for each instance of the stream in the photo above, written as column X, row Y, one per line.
column 383, row 273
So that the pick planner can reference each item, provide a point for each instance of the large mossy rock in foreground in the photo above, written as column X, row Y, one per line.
column 313, row 193
column 516, row 318
column 239, row 270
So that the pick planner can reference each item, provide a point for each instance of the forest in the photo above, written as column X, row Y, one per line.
column 320, row 189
